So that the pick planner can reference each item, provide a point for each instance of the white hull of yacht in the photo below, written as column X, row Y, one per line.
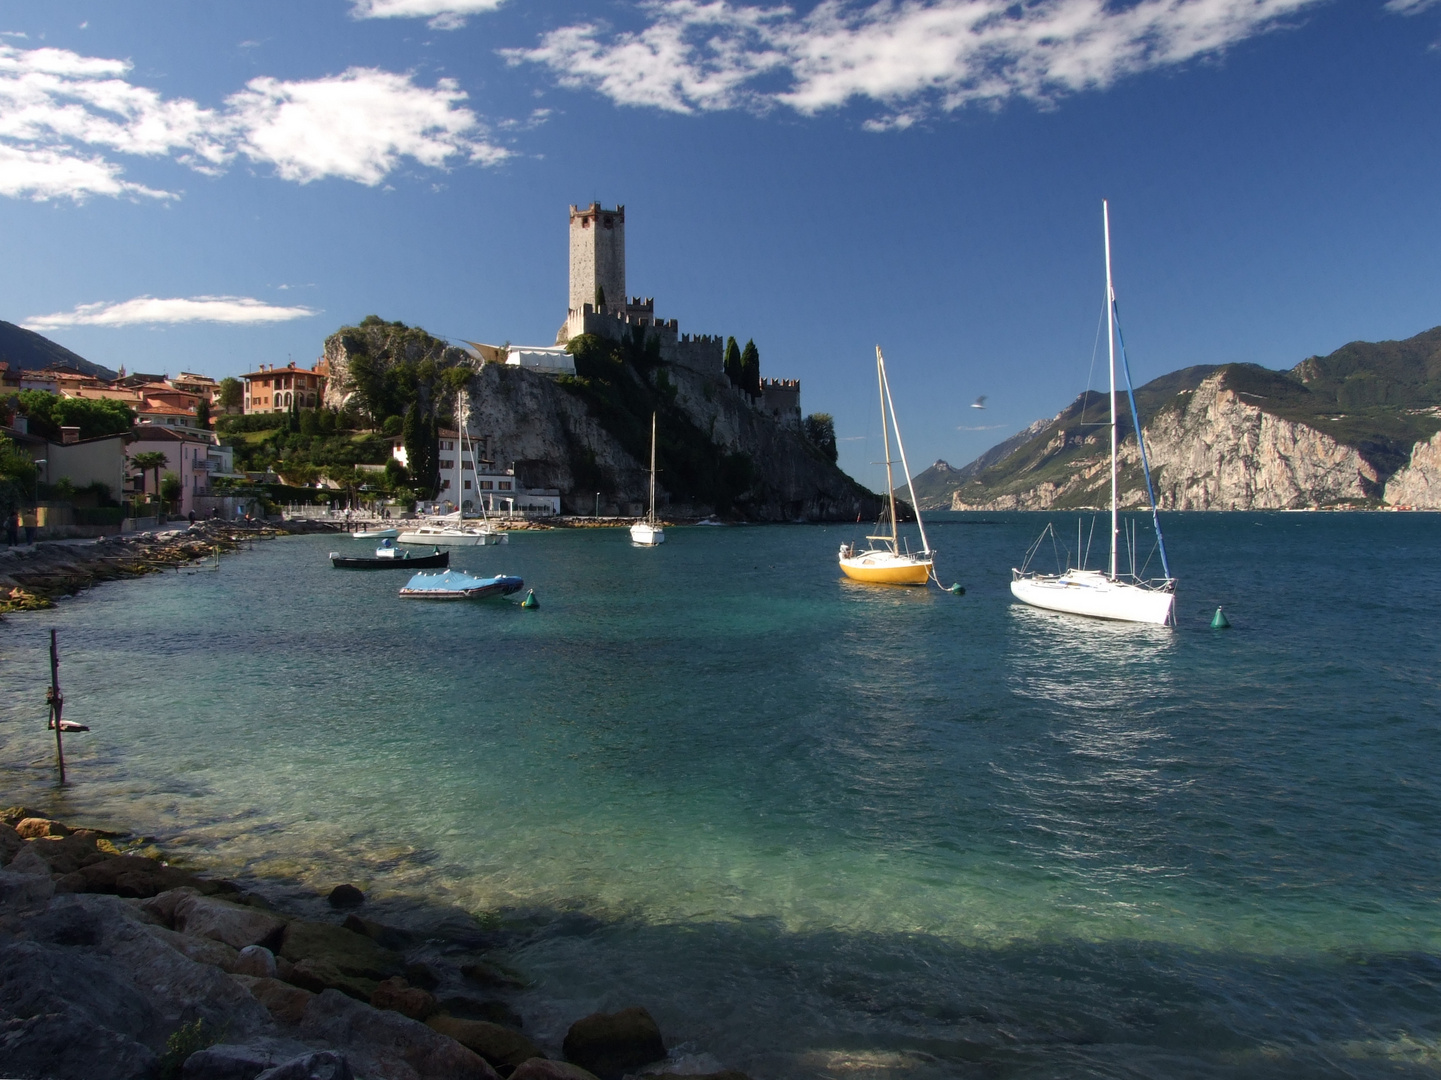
column 1090, row 592
column 454, row 537
column 646, row 534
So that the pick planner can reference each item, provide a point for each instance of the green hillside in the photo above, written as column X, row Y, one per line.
column 27, row 350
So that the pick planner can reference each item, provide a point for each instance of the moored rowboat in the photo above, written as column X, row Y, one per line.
column 458, row 585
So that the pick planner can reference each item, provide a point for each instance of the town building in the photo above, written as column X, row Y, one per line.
column 279, row 389
column 193, row 456
column 483, row 486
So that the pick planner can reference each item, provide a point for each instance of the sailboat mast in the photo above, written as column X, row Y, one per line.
column 652, row 468
column 905, row 467
column 886, row 438
column 460, row 421
column 1111, row 350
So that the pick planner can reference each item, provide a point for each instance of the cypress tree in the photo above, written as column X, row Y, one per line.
column 751, row 369
column 733, row 362
column 412, row 436
column 600, row 298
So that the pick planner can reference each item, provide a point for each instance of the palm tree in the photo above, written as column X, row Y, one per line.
column 154, row 460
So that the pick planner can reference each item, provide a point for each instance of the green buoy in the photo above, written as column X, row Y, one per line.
column 958, row 589
column 530, row 603
column 1219, row 621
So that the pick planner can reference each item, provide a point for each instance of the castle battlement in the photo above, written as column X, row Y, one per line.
column 781, row 384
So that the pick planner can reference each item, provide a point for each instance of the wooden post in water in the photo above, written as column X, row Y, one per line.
column 56, row 701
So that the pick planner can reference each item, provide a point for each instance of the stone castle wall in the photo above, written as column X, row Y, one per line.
column 781, row 398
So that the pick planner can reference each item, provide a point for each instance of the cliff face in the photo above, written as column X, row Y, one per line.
column 1210, row 449
column 555, row 441
column 1213, row 450
column 1418, row 483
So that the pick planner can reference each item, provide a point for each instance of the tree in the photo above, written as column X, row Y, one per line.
column 202, row 413
column 48, row 413
column 820, row 429
column 751, row 369
column 170, row 489
column 733, row 362
column 600, row 298
column 153, row 460
column 232, row 394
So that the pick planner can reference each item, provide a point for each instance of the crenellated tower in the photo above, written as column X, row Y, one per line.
column 597, row 257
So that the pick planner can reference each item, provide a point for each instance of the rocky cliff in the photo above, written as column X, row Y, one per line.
column 1356, row 428
column 589, row 434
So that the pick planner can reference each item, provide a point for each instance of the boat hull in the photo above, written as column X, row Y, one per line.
column 1095, row 595
column 455, row 585
column 457, row 538
column 646, row 534
column 885, row 568
column 439, row 559
column 375, row 534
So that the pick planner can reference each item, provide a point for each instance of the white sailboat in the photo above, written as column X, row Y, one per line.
column 452, row 528
column 1108, row 594
column 648, row 532
column 886, row 561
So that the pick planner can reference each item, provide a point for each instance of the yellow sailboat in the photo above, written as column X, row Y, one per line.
column 887, row 561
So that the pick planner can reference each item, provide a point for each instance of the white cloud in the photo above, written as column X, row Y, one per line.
column 443, row 14
column 1409, row 7
column 356, row 126
column 909, row 56
column 150, row 311
column 64, row 116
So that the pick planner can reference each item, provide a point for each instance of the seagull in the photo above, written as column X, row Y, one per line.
column 979, row 403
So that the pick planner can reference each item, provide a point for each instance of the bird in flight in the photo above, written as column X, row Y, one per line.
column 979, row 403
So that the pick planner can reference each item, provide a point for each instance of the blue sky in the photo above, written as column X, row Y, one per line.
column 209, row 187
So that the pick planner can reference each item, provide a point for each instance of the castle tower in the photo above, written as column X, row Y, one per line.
column 597, row 256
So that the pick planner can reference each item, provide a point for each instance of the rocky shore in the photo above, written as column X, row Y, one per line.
column 32, row 576
column 115, row 965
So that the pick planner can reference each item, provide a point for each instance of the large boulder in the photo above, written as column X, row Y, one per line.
column 202, row 950
column 28, row 862
column 613, row 1044
column 10, row 843
column 285, row 1003
column 318, row 976
column 33, row 827
column 350, row 953
column 382, row 1043
column 317, row 1065
column 67, row 854
column 24, row 892
column 539, row 1068
column 67, row 1015
column 238, row 925
column 502, row 1047
column 255, row 960
column 398, row 995
column 134, row 877
column 241, row 1061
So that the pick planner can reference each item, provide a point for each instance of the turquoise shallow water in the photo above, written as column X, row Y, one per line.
column 823, row 829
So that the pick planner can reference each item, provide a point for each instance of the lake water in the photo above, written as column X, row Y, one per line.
column 822, row 829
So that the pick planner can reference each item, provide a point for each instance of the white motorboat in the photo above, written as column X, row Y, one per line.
column 454, row 535
column 375, row 534
column 648, row 532
column 1107, row 595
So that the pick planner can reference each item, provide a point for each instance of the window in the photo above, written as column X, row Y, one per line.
column 446, row 465
column 486, row 485
column 504, row 485
column 467, row 488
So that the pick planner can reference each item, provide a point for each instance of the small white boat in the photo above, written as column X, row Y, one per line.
column 455, row 535
column 375, row 534
column 458, row 585
column 648, row 532
column 1109, row 595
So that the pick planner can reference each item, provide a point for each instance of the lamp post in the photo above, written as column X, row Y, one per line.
column 597, row 505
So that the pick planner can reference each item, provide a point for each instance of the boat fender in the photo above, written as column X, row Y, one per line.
column 1219, row 621
column 530, row 603
column 958, row 589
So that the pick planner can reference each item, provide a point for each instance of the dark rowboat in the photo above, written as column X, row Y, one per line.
column 398, row 560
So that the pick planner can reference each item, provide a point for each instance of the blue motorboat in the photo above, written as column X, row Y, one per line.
column 458, row 585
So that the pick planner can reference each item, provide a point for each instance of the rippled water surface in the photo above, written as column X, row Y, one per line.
column 823, row 829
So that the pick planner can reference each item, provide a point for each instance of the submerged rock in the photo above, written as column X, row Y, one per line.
column 351, row 953
column 346, row 896
column 613, row 1044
